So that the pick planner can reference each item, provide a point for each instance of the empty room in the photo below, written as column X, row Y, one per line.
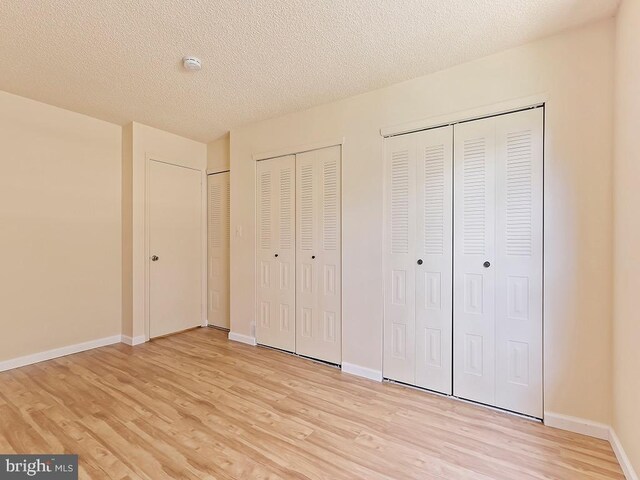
column 337, row 239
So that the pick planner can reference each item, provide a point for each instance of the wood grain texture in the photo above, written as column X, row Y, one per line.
column 196, row 406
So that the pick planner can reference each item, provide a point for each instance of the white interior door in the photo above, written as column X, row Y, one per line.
column 417, row 263
column 218, row 240
column 498, row 261
column 275, row 268
column 175, row 245
column 318, row 265
column 433, row 250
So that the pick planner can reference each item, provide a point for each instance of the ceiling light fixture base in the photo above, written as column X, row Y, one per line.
column 192, row 64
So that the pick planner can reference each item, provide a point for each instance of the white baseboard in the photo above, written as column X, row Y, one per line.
column 625, row 463
column 593, row 429
column 238, row 337
column 58, row 352
column 577, row 425
column 133, row 340
column 364, row 372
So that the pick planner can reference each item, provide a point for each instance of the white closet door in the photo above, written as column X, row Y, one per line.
column 399, row 259
column 275, row 325
column 433, row 251
column 498, row 261
column 218, row 284
column 518, row 266
column 318, row 269
column 417, row 266
column 474, row 258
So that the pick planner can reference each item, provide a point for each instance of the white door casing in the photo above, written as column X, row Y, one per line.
column 218, row 251
column 275, row 266
column 318, row 256
column 175, row 238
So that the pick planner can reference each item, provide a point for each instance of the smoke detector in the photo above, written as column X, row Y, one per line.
column 192, row 64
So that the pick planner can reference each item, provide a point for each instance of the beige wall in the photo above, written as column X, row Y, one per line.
column 147, row 142
column 575, row 72
column 218, row 155
column 70, row 187
column 60, row 244
column 626, row 328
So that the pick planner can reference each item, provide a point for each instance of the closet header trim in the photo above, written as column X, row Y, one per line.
column 503, row 108
column 298, row 149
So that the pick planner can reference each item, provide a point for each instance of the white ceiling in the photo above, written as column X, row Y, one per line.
column 119, row 60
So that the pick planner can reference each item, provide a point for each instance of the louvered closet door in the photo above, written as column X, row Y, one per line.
column 275, row 268
column 474, row 244
column 400, row 259
column 433, row 310
column 417, row 259
column 519, row 242
column 498, row 261
column 218, row 271
column 318, row 268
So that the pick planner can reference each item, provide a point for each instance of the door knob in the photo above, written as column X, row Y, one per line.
column 155, row 258
column 313, row 256
column 276, row 255
column 420, row 261
column 486, row 264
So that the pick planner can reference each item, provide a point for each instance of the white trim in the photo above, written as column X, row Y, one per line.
column 363, row 372
column 460, row 116
column 593, row 429
column 577, row 425
column 58, row 352
column 625, row 463
column 281, row 152
column 133, row 340
column 238, row 337
column 341, row 251
column 204, row 248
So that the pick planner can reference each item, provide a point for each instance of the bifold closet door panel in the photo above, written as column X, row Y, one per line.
column 498, row 261
column 474, row 258
column 318, row 257
column 275, row 266
column 219, row 236
column 417, row 258
column 519, row 247
column 399, row 263
column 433, row 251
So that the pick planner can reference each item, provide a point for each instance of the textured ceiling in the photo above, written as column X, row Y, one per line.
column 119, row 60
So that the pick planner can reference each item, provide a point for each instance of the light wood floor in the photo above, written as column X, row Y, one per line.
column 196, row 406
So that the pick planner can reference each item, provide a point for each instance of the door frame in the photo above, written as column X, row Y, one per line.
column 502, row 108
column 203, row 241
column 283, row 152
